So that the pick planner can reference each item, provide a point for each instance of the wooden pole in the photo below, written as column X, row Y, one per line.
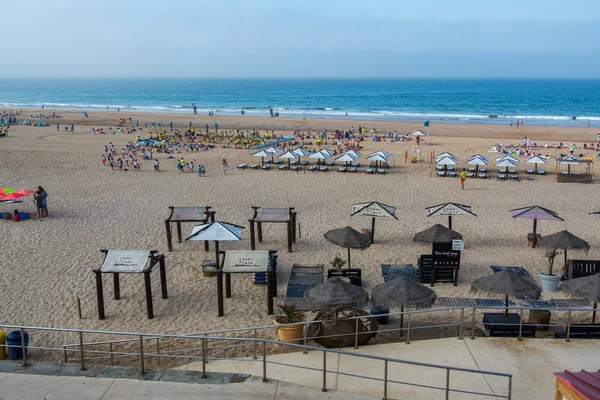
column 100, row 294
column 259, row 229
column 594, row 313
column 79, row 308
column 163, row 277
column 269, row 292
column 169, row 237
column 449, row 221
column 219, row 283
column 534, row 241
column 179, row 231
column 148, row 285
column 289, row 236
column 294, row 227
column 372, row 230
column 401, row 320
column 227, row 285
column 252, row 240
column 348, row 257
column 117, row 286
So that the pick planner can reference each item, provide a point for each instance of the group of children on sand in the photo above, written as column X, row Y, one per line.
column 184, row 166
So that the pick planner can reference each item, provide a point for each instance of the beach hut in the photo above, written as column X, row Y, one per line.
column 568, row 161
column 374, row 209
column 535, row 213
column 450, row 209
column 218, row 231
column 536, row 160
column 348, row 238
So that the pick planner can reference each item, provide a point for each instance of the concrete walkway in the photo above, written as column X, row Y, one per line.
column 531, row 361
column 16, row 386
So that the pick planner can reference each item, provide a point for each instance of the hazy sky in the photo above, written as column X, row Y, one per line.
column 300, row 38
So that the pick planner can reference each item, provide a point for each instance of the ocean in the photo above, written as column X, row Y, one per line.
column 539, row 102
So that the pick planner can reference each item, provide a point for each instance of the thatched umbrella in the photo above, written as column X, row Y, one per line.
column 437, row 234
column 588, row 288
column 334, row 293
column 508, row 283
column 564, row 240
column 348, row 238
column 402, row 292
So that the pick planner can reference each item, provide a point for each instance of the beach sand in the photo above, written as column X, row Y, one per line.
column 47, row 265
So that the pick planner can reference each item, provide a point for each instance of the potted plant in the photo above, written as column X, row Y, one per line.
column 338, row 265
column 549, row 280
column 290, row 333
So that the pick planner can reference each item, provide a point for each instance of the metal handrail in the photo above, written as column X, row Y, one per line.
column 264, row 342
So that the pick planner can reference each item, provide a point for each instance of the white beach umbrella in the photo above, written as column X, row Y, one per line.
column 377, row 157
column 479, row 156
column 383, row 153
column 274, row 150
column 262, row 154
column 506, row 163
column 288, row 155
column 446, row 161
column 511, row 158
column 319, row 155
column 477, row 161
column 328, row 151
column 419, row 132
column 346, row 157
column 301, row 152
column 445, row 154
column 354, row 153
column 536, row 160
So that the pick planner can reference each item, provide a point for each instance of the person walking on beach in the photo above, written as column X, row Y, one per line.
column 463, row 176
column 224, row 165
column 156, row 166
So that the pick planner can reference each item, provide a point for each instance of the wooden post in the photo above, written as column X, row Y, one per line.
column 534, row 240
column 405, row 156
column 228, row 285
column 294, row 227
column 100, row 294
column 117, row 286
column 79, row 308
column 259, row 229
column 252, row 240
column 273, row 256
column 219, row 283
column 148, row 285
column 163, row 277
column 169, row 237
column 372, row 231
column 179, row 231
column 289, row 236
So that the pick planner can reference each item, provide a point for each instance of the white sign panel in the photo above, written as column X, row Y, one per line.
column 458, row 245
column 374, row 210
column 448, row 209
column 125, row 261
column 246, row 261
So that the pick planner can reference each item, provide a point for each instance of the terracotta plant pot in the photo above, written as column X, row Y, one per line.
column 290, row 333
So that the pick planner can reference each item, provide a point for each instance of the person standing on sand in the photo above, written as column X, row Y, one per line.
column 463, row 176
column 38, row 199
column 224, row 165
column 44, row 201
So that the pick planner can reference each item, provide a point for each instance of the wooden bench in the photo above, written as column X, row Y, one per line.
column 496, row 325
column 427, row 273
column 580, row 331
column 582, row 268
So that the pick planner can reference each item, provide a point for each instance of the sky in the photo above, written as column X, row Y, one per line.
column 301, row 39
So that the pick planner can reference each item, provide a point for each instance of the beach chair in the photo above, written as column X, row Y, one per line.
column 294, row 162
column 312, row 168
column 330, row 163
column 381, row 170
column 483, row 170
column 304, row 162
column 471, row 174
column 513, row 177
column 529, row 171
column 452, row 174
column 441, row 173
column 575, row 173
column 580, row 331
column 502, row 170
column 369, row 171
column 278, row 162
column 283, row 167
column 385, row 164
column 541, row 172
column 496, row 325
column 450, row 168
column 342, row 169
column 302, row 278
column 470, row 169
column 439, row 167
column 254, row 166
column 501, row 177
column 265, row 167
column 512, row 171
column 355, row 164
column 373, row 164
column 582, row 268
column 352, row 169
column 242, row 166
column 482, row 175
column 564, row 172
column 324, row 168
column 295, row 168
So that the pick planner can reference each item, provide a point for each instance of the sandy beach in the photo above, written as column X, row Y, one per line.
column 47, row 264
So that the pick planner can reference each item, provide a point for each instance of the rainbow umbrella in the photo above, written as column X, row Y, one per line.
column 16, row 194
column 6, row 190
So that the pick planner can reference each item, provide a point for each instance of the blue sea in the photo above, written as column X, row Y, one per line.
column 540, row 102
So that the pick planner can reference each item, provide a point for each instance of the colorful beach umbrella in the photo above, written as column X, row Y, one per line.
column 535, row 213
column 16, row 194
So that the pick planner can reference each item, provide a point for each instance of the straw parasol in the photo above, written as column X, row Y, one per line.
column 334, row 293
column 564, row 240
column 508, row 283
column 535, row 213
column 402, row 292
column 437, row 234
column 348, row 238
column 588, row 288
